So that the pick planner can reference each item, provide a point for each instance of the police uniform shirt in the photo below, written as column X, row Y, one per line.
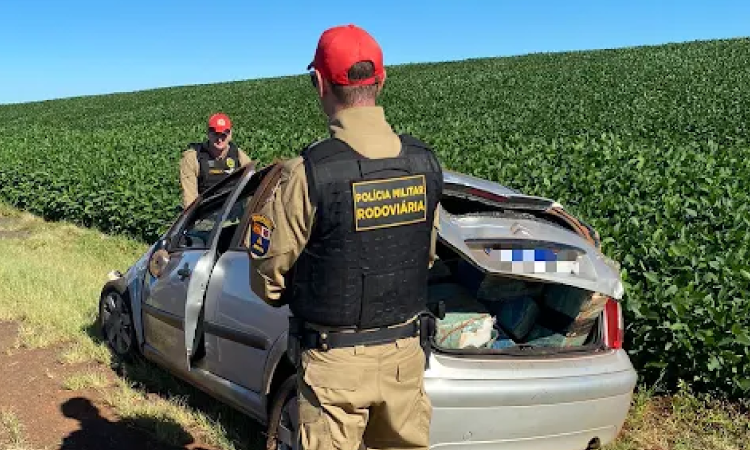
column 285, row 218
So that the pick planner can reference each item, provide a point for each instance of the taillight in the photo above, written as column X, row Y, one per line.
column 614, row 325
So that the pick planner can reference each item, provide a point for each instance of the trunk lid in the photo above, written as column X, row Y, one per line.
column 507, row 233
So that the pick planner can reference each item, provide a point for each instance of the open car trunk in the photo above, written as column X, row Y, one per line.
column 491, row 313
column 488, row 302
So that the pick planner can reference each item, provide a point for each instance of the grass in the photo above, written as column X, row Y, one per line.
column 50, row 276
column 54, row 272
column 167, row 419
column 11, row 432
column 685, row 421
column 85, row 380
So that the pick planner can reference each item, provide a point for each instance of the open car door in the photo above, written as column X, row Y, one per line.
column 228, row 221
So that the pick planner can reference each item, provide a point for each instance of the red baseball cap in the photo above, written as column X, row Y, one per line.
column 220, row 123
column 339, row 48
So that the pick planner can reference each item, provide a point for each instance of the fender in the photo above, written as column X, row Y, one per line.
column 275, row 355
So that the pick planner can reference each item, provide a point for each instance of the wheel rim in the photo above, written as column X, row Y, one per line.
column 116, row 323
column 286, row 434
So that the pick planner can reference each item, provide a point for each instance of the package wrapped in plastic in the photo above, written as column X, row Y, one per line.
column 544, row 337
column 570, row 314
column 465, row 330
column 502, row 341
column 573, row 311
column 515, row 316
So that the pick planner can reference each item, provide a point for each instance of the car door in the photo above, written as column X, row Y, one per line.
column 240, row 328
column 226, row 221
column 184, row 256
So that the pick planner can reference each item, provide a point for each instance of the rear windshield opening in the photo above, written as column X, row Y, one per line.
column 460, row 205
column 466, row 205
column 500, row 314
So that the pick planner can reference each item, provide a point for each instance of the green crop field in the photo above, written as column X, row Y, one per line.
column 650, row 145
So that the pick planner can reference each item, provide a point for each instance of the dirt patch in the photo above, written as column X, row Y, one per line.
column 55, row 418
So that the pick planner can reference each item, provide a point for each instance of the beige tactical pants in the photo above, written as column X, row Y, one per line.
column 374, row 395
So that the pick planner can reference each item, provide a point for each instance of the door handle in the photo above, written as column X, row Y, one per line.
column 184, row 272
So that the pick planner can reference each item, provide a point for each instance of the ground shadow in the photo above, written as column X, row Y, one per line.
column 92, row 331
column 244, row 432
column 97, row 432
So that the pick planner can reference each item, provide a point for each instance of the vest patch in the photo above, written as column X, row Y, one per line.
column 389, row 203
column 261, row 228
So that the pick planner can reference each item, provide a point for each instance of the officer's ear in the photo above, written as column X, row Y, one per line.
column 320, row 83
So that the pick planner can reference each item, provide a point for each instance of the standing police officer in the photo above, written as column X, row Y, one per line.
column 345, row 235
column 206, row 163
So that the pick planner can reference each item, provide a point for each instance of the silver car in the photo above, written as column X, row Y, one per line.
column 527, row 353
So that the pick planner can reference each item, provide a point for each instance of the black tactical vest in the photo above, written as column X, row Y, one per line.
column 366, row 262
column 210, row 170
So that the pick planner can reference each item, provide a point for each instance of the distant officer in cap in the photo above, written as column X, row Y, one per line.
column 206, row 163
column 345, row 237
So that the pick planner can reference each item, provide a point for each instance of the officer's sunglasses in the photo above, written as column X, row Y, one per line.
column 217, row 134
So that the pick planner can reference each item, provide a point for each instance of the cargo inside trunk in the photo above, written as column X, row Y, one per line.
column 500, row 314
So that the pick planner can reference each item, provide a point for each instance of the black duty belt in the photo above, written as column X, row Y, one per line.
column 326, row 340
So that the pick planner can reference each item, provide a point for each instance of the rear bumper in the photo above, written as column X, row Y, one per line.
column 534, row 412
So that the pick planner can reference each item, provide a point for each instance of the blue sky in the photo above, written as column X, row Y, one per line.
column 62, row 48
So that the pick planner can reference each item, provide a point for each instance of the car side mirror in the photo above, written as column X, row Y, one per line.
column 158, row 262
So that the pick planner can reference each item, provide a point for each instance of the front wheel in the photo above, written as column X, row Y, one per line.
column 282, row 423
column 116, row 325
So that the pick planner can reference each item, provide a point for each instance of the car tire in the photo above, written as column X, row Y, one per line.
column 116, row 325
column 284, row 410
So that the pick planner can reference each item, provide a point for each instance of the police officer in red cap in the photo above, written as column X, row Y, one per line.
column 346, row 237
column 206, row 163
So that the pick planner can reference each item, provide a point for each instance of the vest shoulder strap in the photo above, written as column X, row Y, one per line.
column 422, row 155
column 200, row 151
column 410, row 141
column 234, row 152
column 320, row 152
column 196, row 146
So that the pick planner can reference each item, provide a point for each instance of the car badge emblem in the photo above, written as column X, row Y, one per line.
column 518, row 229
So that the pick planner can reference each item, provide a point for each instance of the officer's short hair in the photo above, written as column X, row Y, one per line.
column 348, row 95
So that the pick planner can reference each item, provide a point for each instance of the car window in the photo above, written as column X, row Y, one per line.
column 229, row 227
column 197, row 231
